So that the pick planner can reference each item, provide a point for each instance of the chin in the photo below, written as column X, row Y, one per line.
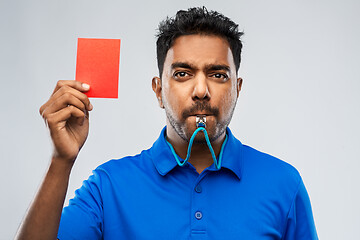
column 200, row 136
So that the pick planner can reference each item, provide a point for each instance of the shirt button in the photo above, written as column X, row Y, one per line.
column 198, row 189
column 198, row 215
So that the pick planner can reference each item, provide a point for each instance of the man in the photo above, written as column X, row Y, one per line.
column 240, row 193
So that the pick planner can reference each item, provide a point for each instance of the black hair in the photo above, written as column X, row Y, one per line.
column 197, row 21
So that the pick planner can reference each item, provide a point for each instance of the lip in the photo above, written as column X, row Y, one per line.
column 208, row 116
column 201, row 114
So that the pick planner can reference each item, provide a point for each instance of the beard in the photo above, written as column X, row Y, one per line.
column 185, row 130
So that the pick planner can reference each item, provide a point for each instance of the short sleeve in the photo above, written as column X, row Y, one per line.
column 82, row 219
column 300, row 221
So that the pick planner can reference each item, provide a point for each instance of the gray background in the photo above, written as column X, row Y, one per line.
column 300, row 97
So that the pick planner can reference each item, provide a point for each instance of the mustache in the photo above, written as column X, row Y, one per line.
column 200, row 106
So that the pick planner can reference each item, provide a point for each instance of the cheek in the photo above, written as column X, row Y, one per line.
column 174, row 97
column 227, row 101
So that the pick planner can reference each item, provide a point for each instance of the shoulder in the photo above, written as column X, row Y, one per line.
column 126, row 164
column 123, row 170
column 269, row 168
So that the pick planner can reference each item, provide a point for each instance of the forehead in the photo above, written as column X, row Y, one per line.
column 200, row 50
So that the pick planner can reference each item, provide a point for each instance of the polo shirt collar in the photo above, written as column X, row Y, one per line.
column 164, row 160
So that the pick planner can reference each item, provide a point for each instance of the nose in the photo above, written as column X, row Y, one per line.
column 201, row 88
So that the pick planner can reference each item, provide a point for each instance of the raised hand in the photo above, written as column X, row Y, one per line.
column 66, row 114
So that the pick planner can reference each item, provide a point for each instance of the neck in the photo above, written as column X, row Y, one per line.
column 200, row 153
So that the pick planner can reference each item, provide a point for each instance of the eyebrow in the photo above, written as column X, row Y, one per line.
column 208, row 67
column 182, row 65
column 215, row 67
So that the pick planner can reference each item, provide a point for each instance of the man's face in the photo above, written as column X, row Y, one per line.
column 199, row 78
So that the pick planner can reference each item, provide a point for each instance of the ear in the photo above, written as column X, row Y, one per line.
column 156, row 86
column 238, row 85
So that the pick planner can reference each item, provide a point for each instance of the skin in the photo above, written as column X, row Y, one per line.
column 66, row 114
column 199, row 71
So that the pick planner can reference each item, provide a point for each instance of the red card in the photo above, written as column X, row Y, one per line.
column 97, row 64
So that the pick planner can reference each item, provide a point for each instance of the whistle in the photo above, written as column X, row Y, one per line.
column 201, row 121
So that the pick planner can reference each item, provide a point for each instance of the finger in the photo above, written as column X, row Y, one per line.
column 66, row 91
column 66, row 85
column 64, row 115
column 82, row 87
column 64, row 101
column 82, row 120
column 76, row 93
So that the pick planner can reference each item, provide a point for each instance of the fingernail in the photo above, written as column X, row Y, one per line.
column 90, row 106
column 85, row 86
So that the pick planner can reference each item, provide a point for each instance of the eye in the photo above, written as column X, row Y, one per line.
column 220, row 76
column 181, row 75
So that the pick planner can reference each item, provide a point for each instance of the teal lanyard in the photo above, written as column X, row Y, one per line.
column 217, row 162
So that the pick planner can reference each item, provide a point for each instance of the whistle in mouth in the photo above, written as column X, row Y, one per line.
column 201, row 121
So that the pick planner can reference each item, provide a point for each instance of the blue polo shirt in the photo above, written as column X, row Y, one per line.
column 148, row 196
